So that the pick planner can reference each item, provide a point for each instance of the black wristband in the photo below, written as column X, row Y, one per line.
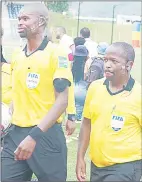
column 71, row 117
column 36, row 133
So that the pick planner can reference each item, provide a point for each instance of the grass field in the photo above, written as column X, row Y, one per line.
column 100, row 32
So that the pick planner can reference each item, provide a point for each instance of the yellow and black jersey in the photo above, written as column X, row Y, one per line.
column 32, row 82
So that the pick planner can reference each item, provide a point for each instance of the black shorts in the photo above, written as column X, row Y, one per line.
column 130, row 171
column 48, row 161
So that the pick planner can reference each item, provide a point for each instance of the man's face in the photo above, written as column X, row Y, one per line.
column 115, row 64
column 28, row 24
column 58, row 33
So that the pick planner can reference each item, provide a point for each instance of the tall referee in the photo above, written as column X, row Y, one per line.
column 40, row 81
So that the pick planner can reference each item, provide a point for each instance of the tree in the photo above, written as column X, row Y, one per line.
column 57, row 6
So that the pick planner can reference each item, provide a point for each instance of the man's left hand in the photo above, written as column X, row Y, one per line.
column 25, row 149
column 70, row 127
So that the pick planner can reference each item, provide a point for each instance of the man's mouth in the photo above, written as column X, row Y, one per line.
column 20, row 30
column 108, row 73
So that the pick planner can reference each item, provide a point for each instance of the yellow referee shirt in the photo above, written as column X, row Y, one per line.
column 6, row 87
column 32, row 83
column 116, row 124
column 62, row 50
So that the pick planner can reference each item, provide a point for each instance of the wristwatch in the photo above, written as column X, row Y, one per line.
column 71, row 117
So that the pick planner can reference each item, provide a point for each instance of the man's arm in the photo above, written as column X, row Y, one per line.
column 56, row 111
column 27, row 146
column 84, row 139
column 59, row 107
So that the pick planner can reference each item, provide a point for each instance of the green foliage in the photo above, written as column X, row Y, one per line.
column 57, row 6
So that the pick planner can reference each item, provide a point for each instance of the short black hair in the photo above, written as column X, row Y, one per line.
column 79, row 41
column 126, row 49
column 85, row 32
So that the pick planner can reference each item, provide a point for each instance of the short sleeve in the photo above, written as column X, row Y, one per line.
column 61, row 66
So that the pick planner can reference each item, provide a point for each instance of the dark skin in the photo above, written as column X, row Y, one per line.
column 117, row 70
column 59, row 35
column 31, row 27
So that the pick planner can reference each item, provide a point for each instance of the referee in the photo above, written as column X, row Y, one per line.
column 112, row 121
column 40, row 81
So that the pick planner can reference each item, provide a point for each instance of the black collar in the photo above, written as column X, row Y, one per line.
column 41, row 47
column 128, row 87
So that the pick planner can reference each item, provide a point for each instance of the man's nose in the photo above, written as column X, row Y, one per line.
column 108, row 64
column 20, row 22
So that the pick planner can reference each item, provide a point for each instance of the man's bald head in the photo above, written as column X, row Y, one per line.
column 37, row 9
column 123, row 49
column 33, row 19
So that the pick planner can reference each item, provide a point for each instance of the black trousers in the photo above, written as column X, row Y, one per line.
column 131, row 171
column 48, row 162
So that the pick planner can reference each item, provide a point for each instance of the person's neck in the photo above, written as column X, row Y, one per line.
column 119, row 83
column 34, row 42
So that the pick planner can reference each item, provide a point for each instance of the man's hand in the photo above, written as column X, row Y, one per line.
column 70, row 127
column 25, row 149
column 81, row 170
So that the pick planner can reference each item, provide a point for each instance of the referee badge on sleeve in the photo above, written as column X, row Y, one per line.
column 32, row 80
column 117, row 122
column 62, row 62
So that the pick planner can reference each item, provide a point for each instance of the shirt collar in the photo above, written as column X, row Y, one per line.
column 128, row 87
column 41, row 47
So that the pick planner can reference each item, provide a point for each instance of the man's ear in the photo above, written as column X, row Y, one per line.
column 129, row 65
column 42, row 21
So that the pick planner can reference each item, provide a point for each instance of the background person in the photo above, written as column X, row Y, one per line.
column 94, row 67
column 79, row 41
column 6, row 88
column 80, row 57
column 90, row 44
column 64, row 39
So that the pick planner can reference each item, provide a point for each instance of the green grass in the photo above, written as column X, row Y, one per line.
column 72, row 155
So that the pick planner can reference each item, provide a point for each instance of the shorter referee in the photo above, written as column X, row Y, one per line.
column 112, row 121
